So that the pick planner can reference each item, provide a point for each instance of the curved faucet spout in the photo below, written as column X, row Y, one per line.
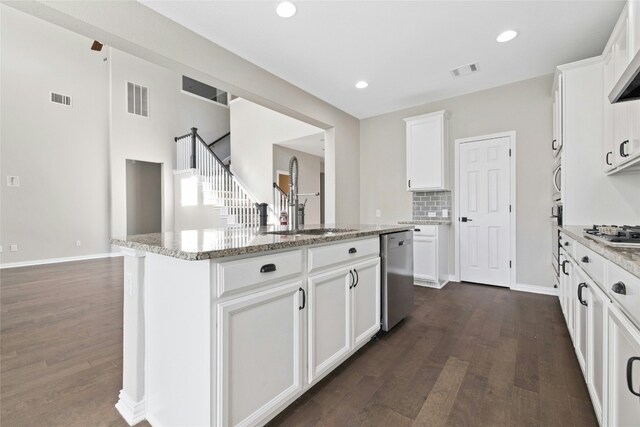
column 293, row 194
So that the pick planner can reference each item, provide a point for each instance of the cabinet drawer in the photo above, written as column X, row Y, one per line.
column 623, row 281
column 590, row 262
column 567, row 243
column 324, row 256
column 425, row 230
column 248, row 272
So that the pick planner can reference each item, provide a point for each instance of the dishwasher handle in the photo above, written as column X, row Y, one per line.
column 404, row 242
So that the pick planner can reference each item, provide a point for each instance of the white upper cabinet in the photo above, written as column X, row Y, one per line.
column 427, row 152
column 621, row 139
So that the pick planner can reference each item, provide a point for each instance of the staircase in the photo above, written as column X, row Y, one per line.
column 219, row 188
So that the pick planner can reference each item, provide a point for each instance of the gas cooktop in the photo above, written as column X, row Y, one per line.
column 613, row 235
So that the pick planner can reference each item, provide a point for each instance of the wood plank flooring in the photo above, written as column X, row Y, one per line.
column 468, row 355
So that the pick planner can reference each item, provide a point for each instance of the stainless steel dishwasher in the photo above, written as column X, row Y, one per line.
column 397, row 277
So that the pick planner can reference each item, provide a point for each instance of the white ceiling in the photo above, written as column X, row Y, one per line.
column 310, row 144
column 404, row 49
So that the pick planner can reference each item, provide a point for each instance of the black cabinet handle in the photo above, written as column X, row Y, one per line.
column 352, row 250
column 357, row 278
column 619, row 288
column 304, row 299
column 563, row 270
column 268, row 268
column 566, row 243
column 553, row 145
column 353, row 279
column 585, row 259
column 417, row 230
column 622, row 144
column 606, row 159
column 630, row 375
column 581, row 286
column 409, row 183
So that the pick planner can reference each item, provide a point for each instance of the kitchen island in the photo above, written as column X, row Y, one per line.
column 229, row 326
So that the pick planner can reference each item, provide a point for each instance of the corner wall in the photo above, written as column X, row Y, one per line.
column 524, row 107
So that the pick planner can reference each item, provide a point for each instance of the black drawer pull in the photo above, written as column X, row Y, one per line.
column 352, row 250
column 619, row 288
column 606, row 159
column 268, row 268
column 417, row 230
column 630, row 375
column 585, row 259
column 304, row 299
column 581, row 286
column 563, row 269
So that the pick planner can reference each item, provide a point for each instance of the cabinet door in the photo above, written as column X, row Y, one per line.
column 597, row 345
column 366, row 300
column 624, row 371
column 580, row 323
column 425, row 153
column 425, row 258
column 609, row 157
column 621, row 49
column 572, row 289
column 634, row 27
column 329, row 321
column 259, row 354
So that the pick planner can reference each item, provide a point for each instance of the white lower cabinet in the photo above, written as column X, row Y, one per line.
column 624, row 371
column 431, row 255
column 344, row 312
column 581, row 290
column 597, row 309
column 260, row 345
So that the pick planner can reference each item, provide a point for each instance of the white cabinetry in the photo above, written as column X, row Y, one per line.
column 556, row 143
column 624, row 371
column 344, row 312
column 431, row 255
column 597, row 313
column 581, row 289
column 260, row 342
column 621, row 120
column 427, row 152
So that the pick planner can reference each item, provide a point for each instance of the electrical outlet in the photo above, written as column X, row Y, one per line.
column 78, row 243
column 378, row 213
column 431, row 214
column 445, row 213
column 13, row 181
column 13, row 248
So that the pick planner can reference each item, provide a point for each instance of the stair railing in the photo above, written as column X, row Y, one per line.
column 226, row 191
column 280, row 199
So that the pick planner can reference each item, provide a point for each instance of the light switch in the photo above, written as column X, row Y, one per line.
column 13, row 181
column 378, row 213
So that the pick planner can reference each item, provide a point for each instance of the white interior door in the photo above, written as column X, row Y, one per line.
column 485, row 188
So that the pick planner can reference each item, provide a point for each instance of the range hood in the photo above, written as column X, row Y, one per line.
column 628, row 87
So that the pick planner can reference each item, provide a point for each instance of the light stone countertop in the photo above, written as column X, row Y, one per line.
column 193, row 245
column 437, row 221
column 626, row 258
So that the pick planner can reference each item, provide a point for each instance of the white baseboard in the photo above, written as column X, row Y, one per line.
column 544, row 290
column 433, row 285
column 58, row 260
column 132, row 412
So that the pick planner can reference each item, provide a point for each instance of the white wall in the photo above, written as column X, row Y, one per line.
column 309, row 167
column 524, row 107
column 131, row 27
column 171, row 113
column 59, row 153
column 254, row 130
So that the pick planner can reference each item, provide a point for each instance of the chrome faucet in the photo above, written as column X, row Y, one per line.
column 293, row 194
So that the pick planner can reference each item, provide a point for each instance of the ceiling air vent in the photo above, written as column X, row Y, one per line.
column 58, row 98
column 137, row 100
column 465, row 70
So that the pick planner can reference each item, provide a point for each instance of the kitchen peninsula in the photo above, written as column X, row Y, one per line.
column 229, row 326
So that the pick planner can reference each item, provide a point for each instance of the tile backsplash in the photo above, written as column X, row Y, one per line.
column 432, row 201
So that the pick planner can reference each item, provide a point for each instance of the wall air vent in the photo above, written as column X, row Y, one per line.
column 465, row 70
column 137, row 100
column 58, row 98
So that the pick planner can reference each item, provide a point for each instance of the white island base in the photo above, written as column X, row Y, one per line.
column 233, row 341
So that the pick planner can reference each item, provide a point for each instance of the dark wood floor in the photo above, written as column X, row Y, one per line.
column 468, row 355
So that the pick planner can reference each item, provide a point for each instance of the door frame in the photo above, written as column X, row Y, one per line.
column 512, row 196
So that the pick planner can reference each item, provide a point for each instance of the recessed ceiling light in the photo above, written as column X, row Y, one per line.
column 286, row 9
column 362, row 84
column 506, row 36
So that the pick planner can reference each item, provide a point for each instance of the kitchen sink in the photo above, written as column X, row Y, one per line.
column 312, row 231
